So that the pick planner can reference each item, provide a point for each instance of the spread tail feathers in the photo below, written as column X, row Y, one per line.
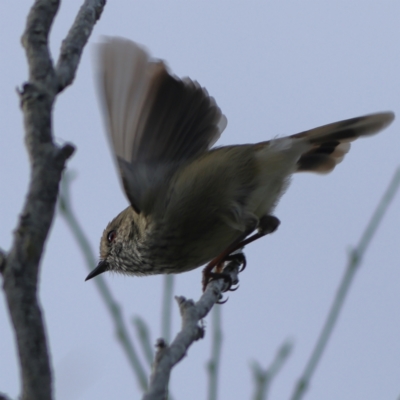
column 331, row 142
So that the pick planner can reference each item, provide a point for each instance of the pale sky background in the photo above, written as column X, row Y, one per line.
column 275, row 68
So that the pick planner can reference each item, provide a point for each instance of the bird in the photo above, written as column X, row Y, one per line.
column 192, row 203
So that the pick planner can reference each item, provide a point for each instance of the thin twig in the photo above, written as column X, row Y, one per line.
column 78, row 35
column 143, row 334
column 192, row 313
column 263, row 379
column 166, row 313
column 216, row 347
column 112, row 306
column 352, row 266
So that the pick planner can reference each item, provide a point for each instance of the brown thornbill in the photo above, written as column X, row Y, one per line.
column 191, row 204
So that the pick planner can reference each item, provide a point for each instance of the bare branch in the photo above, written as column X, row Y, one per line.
column 35, row 41
column 72, row 46
column 192, row 313
column 112, row 305
column 354, row 263
column 143, row 334
column 263, row 378
column 216, row 347
column 166, row 314
column 20, row 271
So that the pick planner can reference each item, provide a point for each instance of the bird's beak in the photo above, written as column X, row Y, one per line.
column 102, row 266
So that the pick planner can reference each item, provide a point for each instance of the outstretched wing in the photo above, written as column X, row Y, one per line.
column 155, row 120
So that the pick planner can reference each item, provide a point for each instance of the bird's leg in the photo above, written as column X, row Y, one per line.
column 266, row 224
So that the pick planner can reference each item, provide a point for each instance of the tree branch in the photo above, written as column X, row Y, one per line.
column 72, row 46
column 263, row 378
column 354, row 262
column 192, row 313
column 216, row 348
column 166, row 314
column 20, row 268
column 35, row 41
column 111, row 304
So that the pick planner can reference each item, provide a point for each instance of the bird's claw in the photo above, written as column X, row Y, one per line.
column 221, row 275
column 222, row 301
column 240, row 258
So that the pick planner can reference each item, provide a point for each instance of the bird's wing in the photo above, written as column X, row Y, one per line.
column 155, row 120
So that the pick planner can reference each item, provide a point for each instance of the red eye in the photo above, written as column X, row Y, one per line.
column 111, row 236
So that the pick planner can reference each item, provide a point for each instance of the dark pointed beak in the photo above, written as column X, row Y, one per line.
column 102, row 266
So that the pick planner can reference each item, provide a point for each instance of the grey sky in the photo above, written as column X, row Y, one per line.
column 275, row 68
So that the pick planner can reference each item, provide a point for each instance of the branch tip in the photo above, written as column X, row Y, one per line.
column 72, row 46
column 160, row 344
column 66, row 151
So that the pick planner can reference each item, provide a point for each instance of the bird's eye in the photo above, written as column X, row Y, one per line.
column 111, row 236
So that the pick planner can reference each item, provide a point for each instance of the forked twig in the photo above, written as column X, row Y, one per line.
column 354, row 262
